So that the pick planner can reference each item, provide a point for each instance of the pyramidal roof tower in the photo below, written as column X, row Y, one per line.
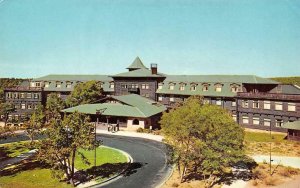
column 136, row 64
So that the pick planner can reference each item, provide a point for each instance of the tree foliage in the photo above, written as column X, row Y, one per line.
column 85, row 93
column 288, row 80
column 63, row 141
column 53, row 106
column 205, row 139
column 36, row 122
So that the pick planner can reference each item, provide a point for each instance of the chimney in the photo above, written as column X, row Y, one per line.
column 154, row 68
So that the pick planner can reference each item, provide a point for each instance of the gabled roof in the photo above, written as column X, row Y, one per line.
column 137, row 64
column 292, row 125
column 139, row 73
column 131, row 106
column 69, row 77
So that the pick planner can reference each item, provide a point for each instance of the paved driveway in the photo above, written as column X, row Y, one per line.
column 150, row 166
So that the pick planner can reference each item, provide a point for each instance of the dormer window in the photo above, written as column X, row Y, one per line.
column 69, row 84
column 160, row 85
column 46, row 84
column 32, row 84
column 182, row 86
column 171, row 86
column 205, row 87
column 37, row 84
column 101, row 84
column 218, row 87
column 193, row 87
column 111, row 85
column 58, row 85
column 234, row 88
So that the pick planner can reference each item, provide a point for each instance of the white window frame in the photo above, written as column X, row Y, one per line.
column 233, row 103
column 68, row 84
column 218, row 88
column 171, row 99
column 245, row 103
column 279, row 106
column 193, row 87
column 234, row 117
column 145, row 86
column 28, row 95
column 279, row 123
column 181, row 87
column 47, row 84
column 219, row 102
column 111, row 85
column 205, row 87
column 267, row 122
column 245, row 119
column 255, row 121
column 171, row 87
column 160, row 85
column 58, row 85
column 23, row 106
column 255, row 102
column 291, row 107
column 267, row 105
column 160, row 98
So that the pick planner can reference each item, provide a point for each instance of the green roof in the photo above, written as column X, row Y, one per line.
column 295, row 125
column 139, row 73
column 73, row 77
column 137, row 64
column 251, row 79
column 225, row 80
column 130, row 106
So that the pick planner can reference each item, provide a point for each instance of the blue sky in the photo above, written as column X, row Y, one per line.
column 39, row 37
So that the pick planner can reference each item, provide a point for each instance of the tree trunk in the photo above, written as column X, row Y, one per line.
column 72, row 167
column 183, row 173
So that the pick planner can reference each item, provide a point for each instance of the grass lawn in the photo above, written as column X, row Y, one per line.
column 13, row 149
column 31, row 178
column 31, row 175
column 258, row 143
column 104, row 155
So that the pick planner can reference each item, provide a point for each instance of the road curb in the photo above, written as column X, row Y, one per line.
column 115, row 177
column 167, row 178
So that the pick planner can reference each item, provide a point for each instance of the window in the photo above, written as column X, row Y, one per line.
column 147, row 95
column 233, row 103
column 255, row 104
column 278, row 105
column 255, row 120
column 28, row 95
column 193, row 87
column 245, row 104
column 36, row 95
column 29, row 106
column 145, row 86
column 245, row 119
column 267, row 122
column 22, row 95
column 171, row 99
column 279, row 122
column 47, row 84
column 134, row 86
column 101, row 84
column 17, row 106
column 218, row 88
column 135, row 122
column 8, row 95
column 160, row 85
column 205, row 87
column 69, row 84
column 16, row 95
column 291, row 107
column 23, row 106
column 37, row 84
column 234, row 117
column 58, row 84
column 32, row 84
column 267, row 104
column 123, row 86
column 235, row 89
column 206, row 101
column 171, row 86
column 160, row 98
column 111, row 85
column 181, row 88
column 219, row 102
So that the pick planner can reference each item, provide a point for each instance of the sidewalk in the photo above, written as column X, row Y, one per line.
column 17, row 159
column 282, row 160
column 158, row 138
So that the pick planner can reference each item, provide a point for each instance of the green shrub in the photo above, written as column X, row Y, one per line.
column 140, row 130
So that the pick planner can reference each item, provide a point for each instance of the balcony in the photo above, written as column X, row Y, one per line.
column 277, row 96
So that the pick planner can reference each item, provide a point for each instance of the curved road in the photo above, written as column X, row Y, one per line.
column 149, row 168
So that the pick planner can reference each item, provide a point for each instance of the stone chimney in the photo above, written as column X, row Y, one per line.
column 153, row 68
